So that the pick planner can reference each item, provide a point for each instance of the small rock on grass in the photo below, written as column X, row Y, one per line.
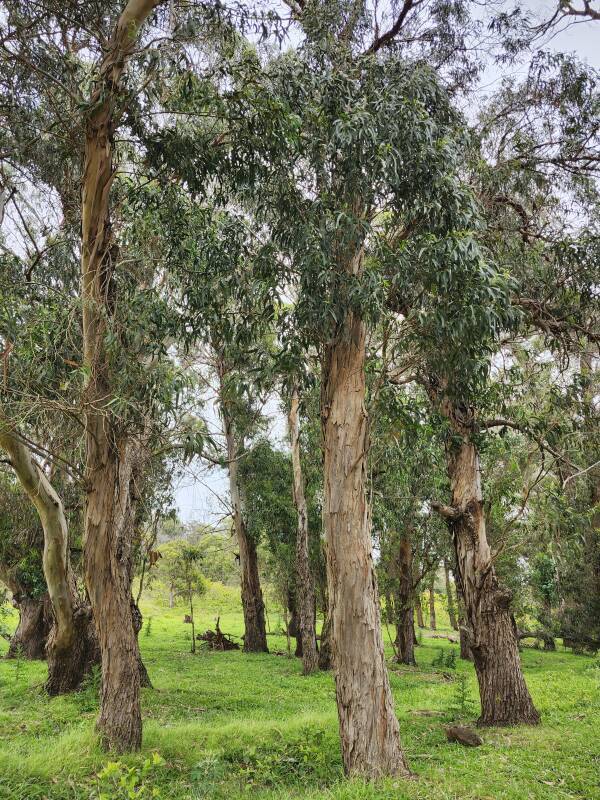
column 463, row 735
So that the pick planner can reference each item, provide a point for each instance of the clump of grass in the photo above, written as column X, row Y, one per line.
column 89, row 691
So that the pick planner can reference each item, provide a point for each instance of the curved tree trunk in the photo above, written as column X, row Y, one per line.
column 405, row 630
column 369, row 729
column 450, row 597
column 66, row 665
column 305, row 590
column 108, row 528
column 505, row 698
column 136, row 614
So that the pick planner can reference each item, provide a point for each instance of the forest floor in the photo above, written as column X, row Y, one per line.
column 229, row 725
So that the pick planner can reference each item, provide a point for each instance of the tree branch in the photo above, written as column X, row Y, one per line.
column 388, row 36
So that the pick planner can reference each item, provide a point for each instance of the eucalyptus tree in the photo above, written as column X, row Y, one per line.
column 374, row 132
column 76, row 70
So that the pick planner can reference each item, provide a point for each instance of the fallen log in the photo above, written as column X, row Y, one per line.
column 217, row 640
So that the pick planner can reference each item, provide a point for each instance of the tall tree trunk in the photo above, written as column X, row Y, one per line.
column 369, row 728
column 305, row 590
column 405, row 631
column 107, row 558
column 505, row 699
column 419, row 608
column 71, row 644
column 35, row 622
column 432, row 621
column 255, row 632
column 450, row 597
column 108, row 527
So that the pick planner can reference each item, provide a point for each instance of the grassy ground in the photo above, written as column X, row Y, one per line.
column 228, row 724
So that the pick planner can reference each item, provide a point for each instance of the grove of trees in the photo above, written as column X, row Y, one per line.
column 215, row 215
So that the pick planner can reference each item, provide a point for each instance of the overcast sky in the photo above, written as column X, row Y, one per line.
column 202, row 495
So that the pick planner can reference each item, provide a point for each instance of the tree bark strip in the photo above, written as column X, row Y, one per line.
column 305, row 590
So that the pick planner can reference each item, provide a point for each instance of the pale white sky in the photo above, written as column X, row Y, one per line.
column 202, row 495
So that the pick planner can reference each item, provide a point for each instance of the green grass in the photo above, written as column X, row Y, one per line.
column 231, row 725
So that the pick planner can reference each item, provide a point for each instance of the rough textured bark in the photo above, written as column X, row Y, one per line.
column 405, row 631
column 305, row 590
column 505, row 699
column 450, row 597
column 432, row 620
column 67, row 668
column 255, row 631
column 107, row 533
column 35, row 622
column 369, row 728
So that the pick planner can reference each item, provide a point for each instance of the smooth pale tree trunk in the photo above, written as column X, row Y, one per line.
column 108, row 527
column 505, row 698
column 71, row 646
column 369, row 729
column 405, row 630
column 450, row 597
column 255, row 632
column 305, row 590
column 432, row 620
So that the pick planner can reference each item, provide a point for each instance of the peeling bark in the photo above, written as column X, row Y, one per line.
column 305, row 590
column 108, row 528
column 505, row 698
column 369, row 729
